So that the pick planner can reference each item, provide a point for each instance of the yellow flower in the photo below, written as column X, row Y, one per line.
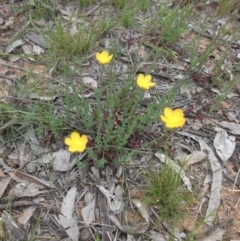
column 145, row 82
column 173, row 118
column 75, row 142
column 104, row 57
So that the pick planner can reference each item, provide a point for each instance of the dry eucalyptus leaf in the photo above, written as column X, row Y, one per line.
column 25, row 176
column 25, row 189
column 31, row 137
column 115, row 202
column 224, row 145
column 13, row 45
column 28, row 211
column 68, row 222
column 138, row 228
column 3, row 185
column 215, row 236
column 88, row 210
column 14, row 232
column 214, row 200
column 193, row 158
column 231, row 127
column 60, row 160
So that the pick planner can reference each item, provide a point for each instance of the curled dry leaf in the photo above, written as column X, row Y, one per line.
column 138, row 228
column 32, row 179
column 115, row 202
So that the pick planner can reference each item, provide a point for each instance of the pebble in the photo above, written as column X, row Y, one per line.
column 85, row 234
column 31, row 167
column 42, row 174
column 199, row 90
column 193, row 92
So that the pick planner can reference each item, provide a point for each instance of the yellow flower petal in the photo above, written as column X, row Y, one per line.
column 68, row 141
column 173, row 118
column 75, row 136
column 104, row 57
column 168, row 112
column 148, row 78
column 76, row 142
column 84, row 139
column 178, row 113
column 164, row 118
column 144, row 82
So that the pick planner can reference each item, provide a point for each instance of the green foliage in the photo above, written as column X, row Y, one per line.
column 109, row 121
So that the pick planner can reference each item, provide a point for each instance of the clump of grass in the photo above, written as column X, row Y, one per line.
column 169, row 23
column 226, row 6
column 120, row 3
column 64, row 44
column 167, row 193
column 85, row 3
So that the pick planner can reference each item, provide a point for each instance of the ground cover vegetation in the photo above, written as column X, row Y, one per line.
column 112, row 106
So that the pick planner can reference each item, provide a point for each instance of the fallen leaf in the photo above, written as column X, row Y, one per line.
column 231, row 127
column 214, row 199
column 25, row 189
column 28, row 212
column 224, row 145
column 193, row 158
column 3, row 185
column 31, row 137
column 115, row 202
column 88, row 210
column 215, row 236
column 14, row 232
column 32, row 179
column 13, row 45
column 138, row 228
column 68, row 222
column 60, row 160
